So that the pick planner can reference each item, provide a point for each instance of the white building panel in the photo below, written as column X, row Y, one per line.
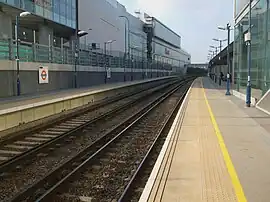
column 102, row 17
column 164, row 33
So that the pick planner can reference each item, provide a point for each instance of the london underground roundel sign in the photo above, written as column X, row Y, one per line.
column 43, row 75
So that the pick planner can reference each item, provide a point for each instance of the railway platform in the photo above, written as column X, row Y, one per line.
column 216, row 150
column 19, row 113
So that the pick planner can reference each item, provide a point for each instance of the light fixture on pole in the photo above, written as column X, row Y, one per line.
column 77, row 51
column 248, row 41
column 215, row 47
column 84, row 33
column 127, row 42
column 220, row 42
column 228, row 28
column 23, row 14
column 212, row 53
column 132, row 59
column 105, row 57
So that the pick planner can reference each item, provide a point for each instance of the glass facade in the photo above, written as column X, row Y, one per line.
column 60, row 11
column 260, row 50
column 239, row 6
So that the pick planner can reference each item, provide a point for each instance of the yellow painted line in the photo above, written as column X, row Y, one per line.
column 232, row 172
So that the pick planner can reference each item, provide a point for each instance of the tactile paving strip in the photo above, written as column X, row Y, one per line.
column 198, row 171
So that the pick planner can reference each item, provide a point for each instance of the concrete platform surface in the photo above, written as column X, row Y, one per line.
column 23, row 113
column 50, row 97
column 217, row 151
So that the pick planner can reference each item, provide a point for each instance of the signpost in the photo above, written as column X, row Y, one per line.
column 43, row 77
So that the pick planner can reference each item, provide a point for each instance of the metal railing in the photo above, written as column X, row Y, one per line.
column 33, row 52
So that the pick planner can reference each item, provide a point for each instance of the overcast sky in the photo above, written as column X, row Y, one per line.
column 195, row 20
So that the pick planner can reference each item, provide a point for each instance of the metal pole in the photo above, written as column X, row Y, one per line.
column 152, row 65
column 128, row 43
column 220, row 45
column 142, row 59
column 85, row 42
column 105, row 66
column 127, row 20
column 62, row 50
column 50, row 53
column 125, row 56
column 228, row 61
column 110, row 55
column 76, row 58
column 248, row 98
column 228, row 50
column 131, row 64
column 266, row 46
column 34, row 46
column 17, row 57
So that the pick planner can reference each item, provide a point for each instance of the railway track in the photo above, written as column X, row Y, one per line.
column 137, row 182
column 32, row 169
column 103, row 169
column 19, row 148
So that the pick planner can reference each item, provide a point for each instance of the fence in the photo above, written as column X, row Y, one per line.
column 31, row 52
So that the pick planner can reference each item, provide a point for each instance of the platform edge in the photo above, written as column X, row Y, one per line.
column 153, row 176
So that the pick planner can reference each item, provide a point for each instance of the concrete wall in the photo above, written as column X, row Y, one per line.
column 16, row 119
column 62, row 77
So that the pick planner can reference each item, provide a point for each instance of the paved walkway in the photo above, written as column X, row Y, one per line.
column 219, row 152
column 6, row 103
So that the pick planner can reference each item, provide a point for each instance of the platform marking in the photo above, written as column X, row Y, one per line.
column 232, row 172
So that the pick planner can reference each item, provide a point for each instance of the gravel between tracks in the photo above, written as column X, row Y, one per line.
column 25, row 175
column 106, row 178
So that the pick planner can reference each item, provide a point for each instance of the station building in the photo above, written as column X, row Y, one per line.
column 49, row 21
column 260, row 49
column 149, row 38
column 138, row 46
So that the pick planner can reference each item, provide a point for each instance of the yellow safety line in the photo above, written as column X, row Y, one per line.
column 235, row 180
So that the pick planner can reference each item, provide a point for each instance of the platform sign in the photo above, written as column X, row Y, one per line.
column 43, row 75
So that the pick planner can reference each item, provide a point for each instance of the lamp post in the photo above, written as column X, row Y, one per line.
column 132, row 58
column 212, row 53
column 248, row 39
column 23, row 14
column 154, row 57
column 127, row 46
column 85, row 38
column 220, row 43
column 142, row 37
column 215, row 47
column 77, row 50
column 105, row 57
column 228, row 28
column 265, row 47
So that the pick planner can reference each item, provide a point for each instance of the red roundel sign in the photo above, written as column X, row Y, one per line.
column 43, row 75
